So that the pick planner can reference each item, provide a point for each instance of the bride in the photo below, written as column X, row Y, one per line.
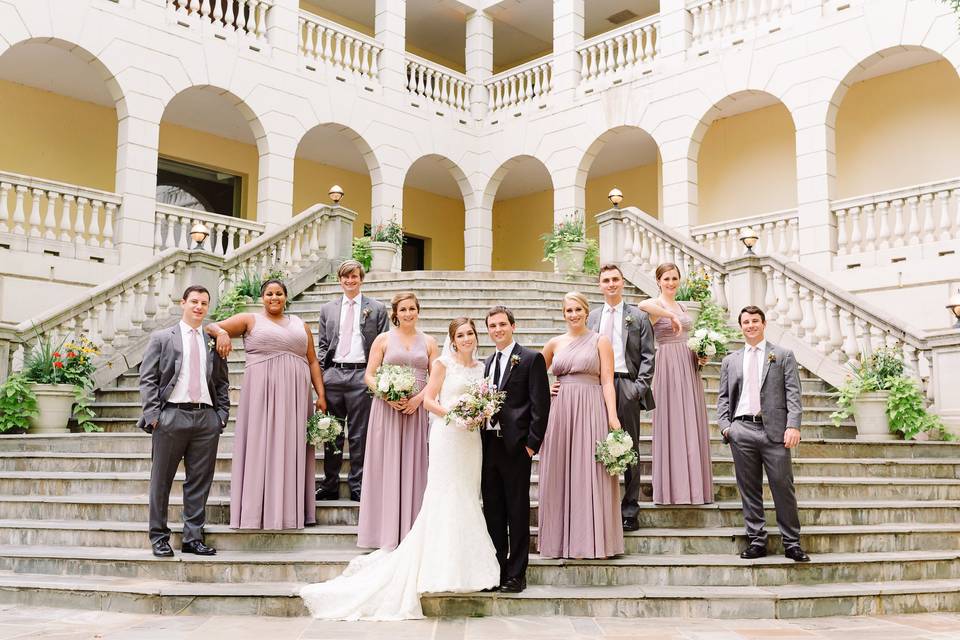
column 448, row 548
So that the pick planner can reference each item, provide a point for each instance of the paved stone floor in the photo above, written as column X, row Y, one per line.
column 68, row 624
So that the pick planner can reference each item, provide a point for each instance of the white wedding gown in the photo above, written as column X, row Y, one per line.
column 448, row 548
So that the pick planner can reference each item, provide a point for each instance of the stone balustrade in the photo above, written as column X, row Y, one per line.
column 173, row 224
column 613, row 54
column 244, row 17
column 63, row 219
column 778, row 234
column 324, row 42
column 435, row 83
column 725, row 22
column 520, row 85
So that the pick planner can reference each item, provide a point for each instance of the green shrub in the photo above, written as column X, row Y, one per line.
column 17, row 404
column 564, row 234
column 695, row 288
column 361, row 251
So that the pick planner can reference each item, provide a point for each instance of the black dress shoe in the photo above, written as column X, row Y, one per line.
column 797, row 554
column 324, row 494
column 513, row 585
column 753, row 552
column 198, row 548
column 495, row 587
column 355, row 496
column 630, row 524
column 162, row 549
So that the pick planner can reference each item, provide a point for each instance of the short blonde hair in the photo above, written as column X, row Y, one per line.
column 349, row 266
column 577, row 297
column 397, row 299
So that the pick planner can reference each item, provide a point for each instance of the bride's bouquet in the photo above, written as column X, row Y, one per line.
column 616, row 452
column 480, row 402
column 394, row 382
column 322, row 429
column 706, row 343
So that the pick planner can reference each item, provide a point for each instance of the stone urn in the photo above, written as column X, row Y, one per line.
column 383, row 254
column 870, row 414
column 570, row 258
column 693, row 310
column 55, row 406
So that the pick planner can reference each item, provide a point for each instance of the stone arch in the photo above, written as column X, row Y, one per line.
column 523, row 215
column 631, row 135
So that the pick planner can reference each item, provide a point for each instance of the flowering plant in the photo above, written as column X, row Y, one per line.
column 480, row 402
column 394, row 382
column 67, row 363
column 616, row 452
column 695, row 288
column 707, row 343
column 322, row 429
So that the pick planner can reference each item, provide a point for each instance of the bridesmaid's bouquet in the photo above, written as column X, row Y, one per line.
column 616, row 452
column 707, row 343
column 394, row 382
column 322, row 429
column 480, row 402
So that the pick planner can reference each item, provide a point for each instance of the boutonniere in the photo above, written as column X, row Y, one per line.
column 365, row 313
column 628, row 320
column 514, row 360
column 771, row 357
column 211, row 343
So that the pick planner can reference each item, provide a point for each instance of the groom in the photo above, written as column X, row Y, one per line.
column 512, row 437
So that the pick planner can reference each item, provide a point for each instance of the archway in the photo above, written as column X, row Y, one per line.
column 520, row 194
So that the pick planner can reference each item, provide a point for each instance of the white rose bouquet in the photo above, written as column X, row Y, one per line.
column 480, row 402
column 707, row 343
column 322, row 429
column 394, row 382
column 616, row 452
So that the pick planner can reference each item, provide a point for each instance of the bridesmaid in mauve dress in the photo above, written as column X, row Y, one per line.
column 395, row 461
column 682, row 471
column 579, row 501
column 273, row 471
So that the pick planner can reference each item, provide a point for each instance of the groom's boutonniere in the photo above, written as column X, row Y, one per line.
column 628, row 320
column 211, row 343
column 771, row 357
column 514, row 360
column 365, row 313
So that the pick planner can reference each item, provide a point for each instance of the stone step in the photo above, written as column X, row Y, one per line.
column 649, row 541
column 130, row 595
column 133, row 508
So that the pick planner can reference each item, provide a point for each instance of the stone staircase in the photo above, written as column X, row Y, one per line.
column 880, row 519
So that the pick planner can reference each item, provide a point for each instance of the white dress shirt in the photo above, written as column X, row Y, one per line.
column 742, row 403
column 356, row 354
column 504, row 358
column 180, row 391
column 619, row 357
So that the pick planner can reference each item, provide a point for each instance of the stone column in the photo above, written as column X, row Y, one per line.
column 338, row 233
column 569, row 197
column 679, row 192
column 674, row 34
column 479, row 56
column 275, row 180
column 568, row 18
column 390, row 25
column 204, row 268
column 612, row 235
column 283, row 33
column 746, row 283
column 816, row 177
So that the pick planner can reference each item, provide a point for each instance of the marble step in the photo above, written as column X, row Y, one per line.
column 102, row 593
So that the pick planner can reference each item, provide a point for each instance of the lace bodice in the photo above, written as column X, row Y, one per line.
column 457, row 380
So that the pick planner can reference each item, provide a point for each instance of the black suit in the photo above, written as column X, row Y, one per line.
column 505, row 479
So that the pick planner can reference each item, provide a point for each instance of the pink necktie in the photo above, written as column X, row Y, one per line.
column 346, row 332
column 193, row 382
column 607, row 328
column 753, row 381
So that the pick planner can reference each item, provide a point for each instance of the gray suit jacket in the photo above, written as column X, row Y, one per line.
column 638, row 348
column 374, row 320
column 160, row 369
column 779, row 391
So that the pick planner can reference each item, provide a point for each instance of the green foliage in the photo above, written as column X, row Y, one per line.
column 714, row 318
column 907, row 410
column 696, row 288
column 591, row 261
column 82, row 412
column 389, row 231
column 564, row 234
column 361, row 251
column 17, row 404
column 63, row 363
column 954, row 4
column 244, row 292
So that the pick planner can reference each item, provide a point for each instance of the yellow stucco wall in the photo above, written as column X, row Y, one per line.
column 640, row 187
column 747, row 165
column 899, row 130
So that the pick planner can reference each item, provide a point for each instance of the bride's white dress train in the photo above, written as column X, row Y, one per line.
column 448, row 548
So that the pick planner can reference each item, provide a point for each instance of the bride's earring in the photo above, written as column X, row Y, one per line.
column 454, row 347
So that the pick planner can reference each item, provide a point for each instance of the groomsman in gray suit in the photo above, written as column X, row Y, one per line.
column 631, row 333
column 185, row 393
column 348, row 326
column 758, row 412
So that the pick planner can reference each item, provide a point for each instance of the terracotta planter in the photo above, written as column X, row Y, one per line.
column 383, row 254
column 570, row 259
column 55, row 405
column 870, row 414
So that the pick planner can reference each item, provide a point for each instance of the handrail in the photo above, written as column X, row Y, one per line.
column 620, row 31
column 339, row 28
column 520, row 68
column 436, row 66
column 213, row 218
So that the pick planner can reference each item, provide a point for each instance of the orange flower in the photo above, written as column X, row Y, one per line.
column 58, row 364
column 71, row 354
column 56, row 354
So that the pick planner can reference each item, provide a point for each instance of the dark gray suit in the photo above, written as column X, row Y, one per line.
column 634, row 392
column 188, row 435
column 759, row 446
column 346, row 392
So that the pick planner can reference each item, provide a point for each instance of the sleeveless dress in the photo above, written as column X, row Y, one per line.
column 272, row 477
column 448, row 548
column 579, row 501
column 395, row 461
column 682, row 472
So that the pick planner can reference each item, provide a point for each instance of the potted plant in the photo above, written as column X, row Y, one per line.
column 385, row 241
column 566, row 246
column 244, row 294
column 62, row 379
column 884, row 401
column 18, row 405
column 694, row 291
column 361, row 251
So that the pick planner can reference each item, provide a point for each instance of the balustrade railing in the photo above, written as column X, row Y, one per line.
column 244, row 17
column 720, row 21
column 173, row 224
column 779, row 233
column 530, row 81
column 432, row 82
column 39, row 215
column 327, row 43
column 611, row 54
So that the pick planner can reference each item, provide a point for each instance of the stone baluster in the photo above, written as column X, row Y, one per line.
column 783, row 301
column 34, row 223
column 722, row 242
column 850, row 347
column 151, row 296
column 782, row 247
column 822, row 332
column 18, row 216
column 49, row 218
column 953, row 228
column 108, row 329
column 855, row 235
column 911, row 357
column 124, row 314
column 835, row 341
column 94, row 229
column 796, row 313
column 79, row 221
column 770, row 295
column 136, row 315
column 65, row 211
column 883, row 219
column 870, row 234
column 108, row 214
column 928, row 217
column 898, row 227
column 877, row 338
column 912, row 220
column 944, row 222
column 645, row 250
